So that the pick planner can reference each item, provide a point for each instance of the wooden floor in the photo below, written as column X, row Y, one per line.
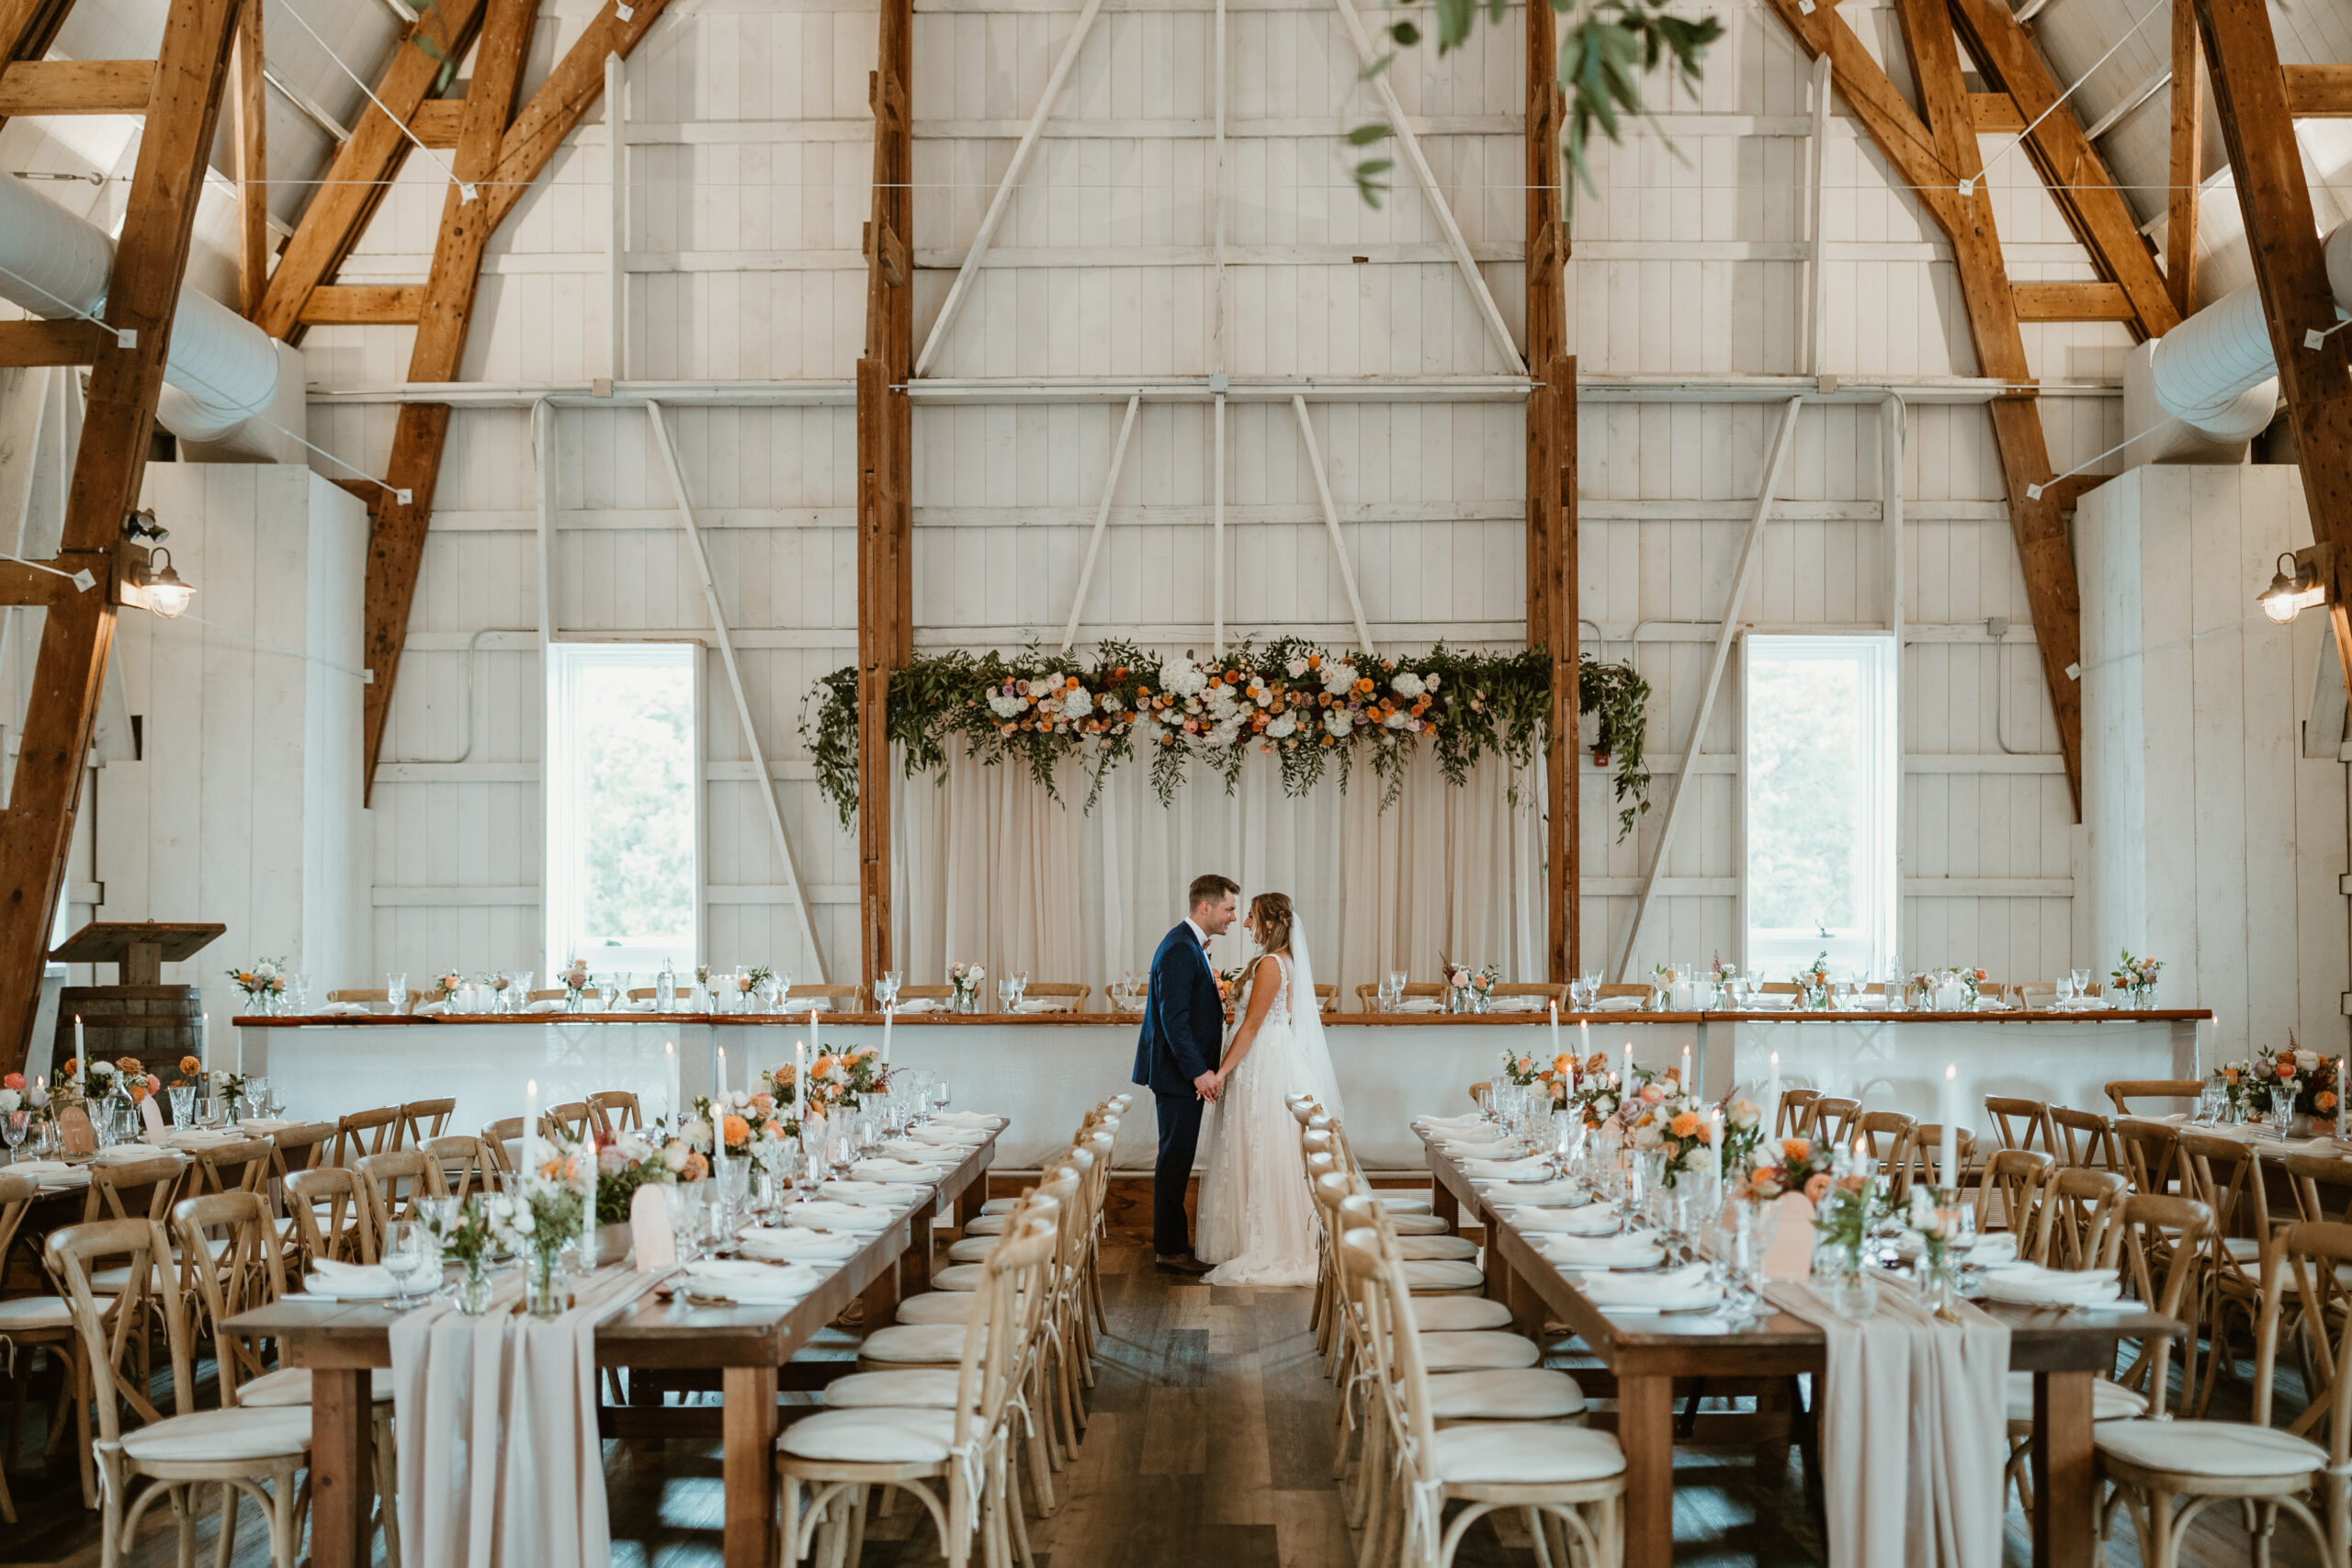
column 1210, row 1445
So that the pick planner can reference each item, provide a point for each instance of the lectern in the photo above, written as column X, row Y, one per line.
column 138, row 1015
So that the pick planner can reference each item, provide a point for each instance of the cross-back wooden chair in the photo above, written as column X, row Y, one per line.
column 234, row 1167
column 379, row 999
column 1547, row 990
column 1926, row 1149
column 1831, row 1120
column 1888, row 1134
column 366, row 1132
column 423, row 1121
column 614, row 1111
column 2124, row 1091
column 2321, row 1184
column 2226, row 1175
column 502, row 1140
column 465, row 1165
column 2087, row 1138
column 834, row 998
column 2021, row 1123
column 331, row 1216
column 392, row 1181
column 1795, row 1113
column 26, row 1322
column 2151, row 1152
column 2010, row 1181
column 572, row 1117
column 2076, row 1227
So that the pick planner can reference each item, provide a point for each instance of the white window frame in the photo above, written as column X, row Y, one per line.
column 1872, row 943
column 561, row 892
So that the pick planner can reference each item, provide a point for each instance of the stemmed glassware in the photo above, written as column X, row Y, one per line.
column 409, row 1251
column 396, row 993
column 1007, row 993
column 13, row 1128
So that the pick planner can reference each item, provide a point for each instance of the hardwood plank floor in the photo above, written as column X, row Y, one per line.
column 1209, row 1446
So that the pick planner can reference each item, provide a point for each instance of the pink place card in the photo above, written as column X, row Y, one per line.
column 648, row 1224
column 75, row 1134
column 150, row 1117
column 1790, row 1260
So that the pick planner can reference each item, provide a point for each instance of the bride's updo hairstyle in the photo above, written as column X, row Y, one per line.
column 1269, row 912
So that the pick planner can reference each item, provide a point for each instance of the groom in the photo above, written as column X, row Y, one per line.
column 1183, row 1037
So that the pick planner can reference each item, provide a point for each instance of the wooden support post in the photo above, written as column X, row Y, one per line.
column 27, row 28
column 885, row 473
column 1552, row 493
column 151, row 257
column 253, row 162
column 2187, row 163
column 2283, row 240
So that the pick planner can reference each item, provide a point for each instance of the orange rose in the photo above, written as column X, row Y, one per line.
column 821, row 1065
column 737, row 1131
column 1817, row 1188
column 697, row 1168
column 190, row 1065
column 2325, row 1099
column 1684, row 1125
column 1793, row 1150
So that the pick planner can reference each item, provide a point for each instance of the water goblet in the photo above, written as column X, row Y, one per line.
column 396, row 993
column 2082, row 979
column 943, row 1093
column 1007, row 993
column 408, row 1252
column 521, row 989
column 13, row 1128
column 183, row 1103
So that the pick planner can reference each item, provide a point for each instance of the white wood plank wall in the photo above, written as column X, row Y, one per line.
column 748, row 143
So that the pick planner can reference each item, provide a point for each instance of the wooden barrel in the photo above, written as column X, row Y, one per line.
column 158, row 1024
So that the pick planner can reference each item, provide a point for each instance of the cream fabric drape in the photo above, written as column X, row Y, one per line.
column 987, row 867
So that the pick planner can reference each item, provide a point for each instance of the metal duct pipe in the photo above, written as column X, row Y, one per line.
column 2216, row 373
column 220, row 371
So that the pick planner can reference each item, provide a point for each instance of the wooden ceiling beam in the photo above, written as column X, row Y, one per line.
column 2187, row 163
column 1933, row 160
column 150, row 260
column 68, row 341
column 363, row 167
column 500, row 152
column 27, row 28
column 2319, row 91
column 1996, row 113
column 436, row 123
column 2072, row 302
column 2252, row 100
column 2077, row 179
column 1551, row 493
column 76, row 86
column 364, row 305
column 249, row 102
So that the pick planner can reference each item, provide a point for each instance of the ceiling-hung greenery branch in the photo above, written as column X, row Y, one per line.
column 1609, row 47
column 1312, row 709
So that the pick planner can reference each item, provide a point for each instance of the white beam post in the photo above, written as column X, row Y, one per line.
column 1817, row 304
column 1410, row 145
column 1218, row 63
column 1003, row 197
column 1331, row 525
column 617, row 237
column 760, row 768
column 1216, row 523
column 1742, row 578
column 1101, row 519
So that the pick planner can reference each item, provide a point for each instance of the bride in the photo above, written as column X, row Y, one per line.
column 1258, row 1219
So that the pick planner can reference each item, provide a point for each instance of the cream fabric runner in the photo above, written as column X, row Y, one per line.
column 1914, row 1418
column 500, row 1464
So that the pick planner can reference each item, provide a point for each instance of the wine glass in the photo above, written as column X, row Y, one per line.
column 521, row 989
column 13, row 1128
column 408, row 1253
column 1020, row 985
column 2082, row 979
column 840, row 1152
column 396, row 993
column 943, row 1094
column 807, row 1173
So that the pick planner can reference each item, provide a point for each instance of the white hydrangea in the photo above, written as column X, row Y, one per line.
column 1406, row 686
column 1338, row 678
column 1399, row 719
column 1283, row 728
column 1338, row 722
column 10, row 1101
column 1003, row 705
column 1183, row 678
column 696, row 1134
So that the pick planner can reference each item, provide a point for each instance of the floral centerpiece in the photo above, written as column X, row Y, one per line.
column 576, row 981
column 1785, row 1165
column 444, row 986
column 545, row 1211
column 263, row 981
column 1722, row 974
column 749, row 981
column 135, row 1079
column 1842, row 1218
column 1813, row 982
column 838, row 1080
column 1931, row 983
column 624, row 1163
column 468, row 1242
column 964, row 980
column 190, row 1074
column 2304, row 1081
column 1469, row 990
column 2137, row 978
column 1595, row 1093
column 229, row 1089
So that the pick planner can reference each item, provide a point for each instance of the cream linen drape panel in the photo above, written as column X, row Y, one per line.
column 987, row 867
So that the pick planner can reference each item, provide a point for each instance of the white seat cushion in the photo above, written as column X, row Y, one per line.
column 25, row 1312
column 1401, row 1204
column 938, row 1307
column 2244, row 1248
column 986, row 1224
column 1438, row 1275
column 223, row 1434
column 1478, row 1350
column 2209, row 1448
column 1524, row 1453
column 2109, row 1401
column 927, row 1344
column 926, row 1387
column 291, row 1386
column 1422, row 1248
column 1497, row 1395
column 1419, row 1224
column 999, row 1205
column 957, row 1276
column 882, row 1435
column 970, row 1251
column 1458, row 1315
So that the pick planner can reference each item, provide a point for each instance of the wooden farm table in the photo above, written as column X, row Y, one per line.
column 342, row 1341
column 1649, row 1353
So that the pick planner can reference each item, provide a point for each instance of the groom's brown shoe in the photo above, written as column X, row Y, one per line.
column 1180, row 1263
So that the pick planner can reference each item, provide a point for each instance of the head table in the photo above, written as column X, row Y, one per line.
column 1049, row 1067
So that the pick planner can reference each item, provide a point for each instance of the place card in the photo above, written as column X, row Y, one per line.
column 152, row 1117
column 1790, row 1260
column 75, row 1134
column 648, row 1224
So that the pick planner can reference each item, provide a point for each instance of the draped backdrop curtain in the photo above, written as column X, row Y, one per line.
column 987, row 866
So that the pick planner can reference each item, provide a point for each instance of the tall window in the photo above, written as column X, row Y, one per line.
column 1820, row 765
column 621, row 806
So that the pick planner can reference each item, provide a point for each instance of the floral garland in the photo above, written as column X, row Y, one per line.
column 1294, row 700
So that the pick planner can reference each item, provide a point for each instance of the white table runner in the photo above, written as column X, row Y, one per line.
column 500, row 1462
column 1914, row 1418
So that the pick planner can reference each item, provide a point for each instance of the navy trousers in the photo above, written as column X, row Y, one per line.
column 1180, row 1137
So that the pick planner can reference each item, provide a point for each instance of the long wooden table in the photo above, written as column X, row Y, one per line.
column 342, row 1342
column 1649, row 1353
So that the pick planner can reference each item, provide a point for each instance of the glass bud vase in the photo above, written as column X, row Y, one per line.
column 471, row 1291
column 1940, row 1282
column 545, row 1291
column 1844, row 1284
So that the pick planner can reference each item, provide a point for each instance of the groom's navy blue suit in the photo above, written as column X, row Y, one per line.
column 1183, row 1037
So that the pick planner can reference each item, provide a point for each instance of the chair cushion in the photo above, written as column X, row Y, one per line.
column 957, row 1276
column 1478, row 1350
column 881, row 1434
column 1434, row 1274
column 1458, row 1315
column 291, row 1386
column 929, row 1388
column 223, row 1434
column 1423, row 1248
column 1419, row 1224
column 24, row 1312
column 927, row 1344
column 2109, row 1401
column 1000, row 1205
column 1401, row 1204
column 938, row 1307
column 1504, row 1394
column 2244, row 1248
column 2209, row 1448
column 1524, row 1453
column 970, row 1251
column 985, row 1224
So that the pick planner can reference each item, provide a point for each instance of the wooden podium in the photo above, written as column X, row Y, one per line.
column 138, row 1016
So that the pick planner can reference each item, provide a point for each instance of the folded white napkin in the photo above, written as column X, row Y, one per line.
column 982, row 1119
column 1438, row 1123
column 262, row 1126
column 917, row 1150
column 430, row 1009
column 1618, row 1004
column 1676, row 1290
column 1994, row 1250
column 2029, row 1284
column 750, row 1281
column 122, row 1153
column 1591, row 1220
column 794, row 1246
column 204, row 1137
column 965, row 1137
column 1503, row 1169
column 1519, row 1004
column 343, row 1009
column 36, row 1168
column 877, row 1194
column 333, row 1282
column 1417, row 1004
column 1636, row 1249
column 827, row 1216
column 1991, row 1004
column 553, row 1004
column 1472, row 1146
column 2083, row 1004
column 1777, row 1003
column 1043, row 1004
column 917, row 1004
column 1539, row 1194
column 888, row 1172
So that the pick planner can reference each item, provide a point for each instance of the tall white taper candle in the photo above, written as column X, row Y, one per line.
column 530, row 1161
column 1556, row 1029
column 888, row 1014
column 1948, row 1146
column 1772, row 1100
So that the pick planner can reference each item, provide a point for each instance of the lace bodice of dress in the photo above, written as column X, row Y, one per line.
column 1280, row 1012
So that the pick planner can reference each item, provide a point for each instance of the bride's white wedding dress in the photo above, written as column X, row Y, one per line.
column 1258, row 1223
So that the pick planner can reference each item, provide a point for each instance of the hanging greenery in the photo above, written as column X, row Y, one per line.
column 1309, row 708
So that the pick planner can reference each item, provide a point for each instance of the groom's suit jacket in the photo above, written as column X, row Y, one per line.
column 1184, row 1022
